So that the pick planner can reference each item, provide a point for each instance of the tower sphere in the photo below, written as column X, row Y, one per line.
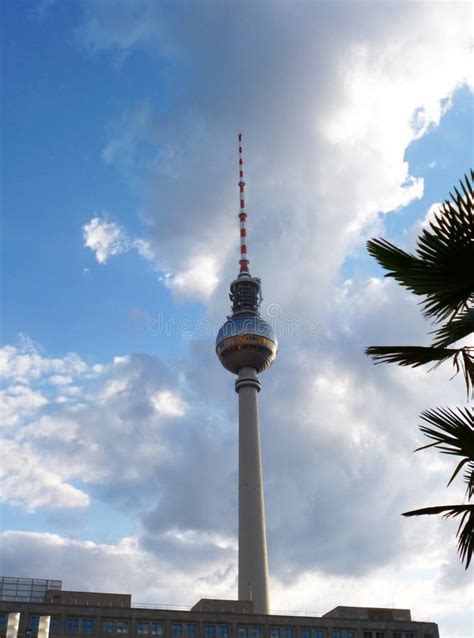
column 246, row 340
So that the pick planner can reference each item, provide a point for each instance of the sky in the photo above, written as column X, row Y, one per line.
column 120, row 239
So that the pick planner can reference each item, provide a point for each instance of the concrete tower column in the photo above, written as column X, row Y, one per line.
column 253, row 562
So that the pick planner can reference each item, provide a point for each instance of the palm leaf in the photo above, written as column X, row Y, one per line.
column 458, row 328
column 469, row 479
column 453, row 433
column 441, row 271
column 413, row 356
column 455, row 430
column 465, row 532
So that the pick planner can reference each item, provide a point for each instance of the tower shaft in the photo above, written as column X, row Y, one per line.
column 253, row 562
column 246, row 345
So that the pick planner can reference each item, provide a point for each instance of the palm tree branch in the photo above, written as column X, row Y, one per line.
column 441, row 271
column 458, row 328
column 413, row 356
column 465, row 532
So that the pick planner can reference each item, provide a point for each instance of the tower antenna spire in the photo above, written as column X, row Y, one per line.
column 244, row 259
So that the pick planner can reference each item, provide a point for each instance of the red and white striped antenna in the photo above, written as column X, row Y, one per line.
column 244, row 260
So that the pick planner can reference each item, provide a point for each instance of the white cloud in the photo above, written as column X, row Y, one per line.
column 60, row 379
column 323, row 157
column 200, row 279
column 168, row 404
column 27, row 480
column 18, row 402
column 105, row 238
column 26, row 363
column 124, row 566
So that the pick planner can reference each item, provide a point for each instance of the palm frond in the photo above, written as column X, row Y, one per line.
column 453, row 433
column 465, row 532
column 441, row 271
column 413, row 356
column 455, row 330
column 469, row 479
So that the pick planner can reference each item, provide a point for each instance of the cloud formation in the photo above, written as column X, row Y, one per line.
column 325, row 96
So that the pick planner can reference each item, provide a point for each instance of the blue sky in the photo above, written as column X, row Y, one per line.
column 119, row 240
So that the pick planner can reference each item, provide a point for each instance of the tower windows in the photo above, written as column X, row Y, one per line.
column 289, row 632
column 122, row 627
column 107, row 626
column 142, row 627
column 191, row 630
column 157, row 629
column 256, row 632
column 176, row 629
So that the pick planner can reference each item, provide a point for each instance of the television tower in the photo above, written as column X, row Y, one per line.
column 246, row 345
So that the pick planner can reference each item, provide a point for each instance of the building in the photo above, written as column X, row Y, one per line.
column 71, row 614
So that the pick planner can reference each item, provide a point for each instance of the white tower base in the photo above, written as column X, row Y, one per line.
column 253, row 562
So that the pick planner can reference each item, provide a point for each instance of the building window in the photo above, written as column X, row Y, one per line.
column 317, row 633
column 142, row 627
column 243, row 632
column 275, row 632
column 256, row 632
column 53, row 625
column 122, row 627
column 209, row 631
column 72, row 625
column 289, row 632
column 107, row 626
column 352, row 634
column 34, row 623
column 337, row 634
column 224, row 631
column 3, row 621
column 87, row 625
column 157, row 628
column 176, row 629
column 306, row 633
column 379, row 634
column 191, row 630
column 367, row 634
